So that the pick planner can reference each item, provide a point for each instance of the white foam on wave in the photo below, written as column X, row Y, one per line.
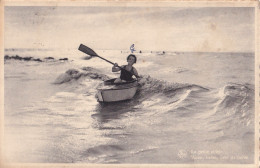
column 161, row 104
column 220, row 95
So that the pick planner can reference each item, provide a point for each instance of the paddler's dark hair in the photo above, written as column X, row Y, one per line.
column 132, row 56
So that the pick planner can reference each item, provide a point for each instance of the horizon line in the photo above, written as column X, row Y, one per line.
column 138, row 51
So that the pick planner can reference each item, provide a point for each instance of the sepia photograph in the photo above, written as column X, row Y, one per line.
column 130, row 83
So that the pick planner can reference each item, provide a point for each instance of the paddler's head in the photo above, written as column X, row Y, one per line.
column 131, row 59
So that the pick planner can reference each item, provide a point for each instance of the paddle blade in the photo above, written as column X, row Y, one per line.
column 87, row 50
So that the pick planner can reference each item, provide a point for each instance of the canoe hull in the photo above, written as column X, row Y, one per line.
column 117, row 92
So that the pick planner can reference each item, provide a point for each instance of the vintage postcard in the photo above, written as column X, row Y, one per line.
column 130, row 84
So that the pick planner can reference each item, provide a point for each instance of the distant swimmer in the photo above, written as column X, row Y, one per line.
column 132, row 48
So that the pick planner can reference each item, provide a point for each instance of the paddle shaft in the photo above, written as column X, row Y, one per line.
column 105, row 59
column 111, row 63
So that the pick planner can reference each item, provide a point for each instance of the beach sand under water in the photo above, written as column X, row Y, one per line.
column 192, row 108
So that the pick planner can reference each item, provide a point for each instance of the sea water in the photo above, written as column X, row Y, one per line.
column 190, row 108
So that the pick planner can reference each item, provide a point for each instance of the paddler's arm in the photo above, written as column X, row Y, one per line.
column 136, row 73
column 115, row 68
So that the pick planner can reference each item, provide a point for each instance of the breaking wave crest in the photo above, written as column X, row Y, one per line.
column 235, row 101
column 76, row 74
column 151, row 86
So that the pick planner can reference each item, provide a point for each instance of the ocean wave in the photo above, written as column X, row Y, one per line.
column 76, row 74
column 236, row 101
column 157, row 96
column 234, row 94
column 153, row 85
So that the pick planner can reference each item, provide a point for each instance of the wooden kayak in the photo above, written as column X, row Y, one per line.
column 113, row 92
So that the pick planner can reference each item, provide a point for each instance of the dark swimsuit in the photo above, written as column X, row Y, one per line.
column 126, row 75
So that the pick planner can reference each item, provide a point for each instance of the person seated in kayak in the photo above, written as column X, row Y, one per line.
column 127, row 71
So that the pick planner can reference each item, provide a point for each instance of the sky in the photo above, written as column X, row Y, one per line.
column 208, row 29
